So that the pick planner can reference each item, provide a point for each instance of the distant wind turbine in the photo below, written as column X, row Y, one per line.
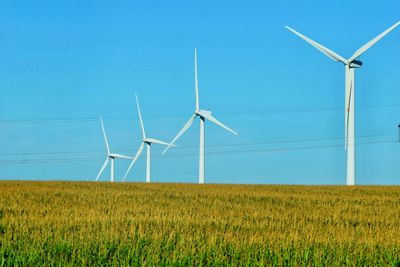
column 145, row 141
column 110, row 156
column 349, row 64
column 203, row 115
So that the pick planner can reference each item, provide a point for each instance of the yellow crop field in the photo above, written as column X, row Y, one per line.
column 84, row 223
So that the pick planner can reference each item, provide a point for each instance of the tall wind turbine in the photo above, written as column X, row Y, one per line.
column 110, row 156
column 145, row 142
column 203, row 115
column 349, row 65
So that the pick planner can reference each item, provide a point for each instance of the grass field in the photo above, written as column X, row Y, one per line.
column 71, row 223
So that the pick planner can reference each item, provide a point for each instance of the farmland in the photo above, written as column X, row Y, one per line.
column 84, row 223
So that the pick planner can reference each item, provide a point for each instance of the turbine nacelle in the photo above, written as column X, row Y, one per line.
column 356, row 64
column 146, row 140
column 118, row 156
column 202, row 112
column 155, row 141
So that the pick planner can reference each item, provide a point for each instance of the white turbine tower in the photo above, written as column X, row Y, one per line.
column 110, row 156
column 203, row 115
column 145, row 141
column 349, row 65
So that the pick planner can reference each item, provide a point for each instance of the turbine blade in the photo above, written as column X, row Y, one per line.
column 121, row 156
column 368, row 45
column 156, row 141
column 140, row 117
column 105, row 136
column 134, row 160
column 102, row 168
column 182, row 131
column 348, row 107
column 318, row 46
column 346, row 97
column 196, row 82
column 217, row 122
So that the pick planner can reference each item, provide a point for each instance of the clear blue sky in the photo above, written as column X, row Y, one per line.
column 65, row 63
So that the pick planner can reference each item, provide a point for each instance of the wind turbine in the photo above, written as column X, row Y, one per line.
column 110, row 156
column 203, row 115
column 349, row 65
column 145, row 141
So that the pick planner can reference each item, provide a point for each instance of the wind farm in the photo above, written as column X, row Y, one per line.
column 199, row 133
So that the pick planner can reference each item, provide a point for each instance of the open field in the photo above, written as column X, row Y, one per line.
column 160, row 224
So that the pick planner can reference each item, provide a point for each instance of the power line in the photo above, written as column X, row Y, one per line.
column 212, row 153
column 172, row 115
column 191, row 147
